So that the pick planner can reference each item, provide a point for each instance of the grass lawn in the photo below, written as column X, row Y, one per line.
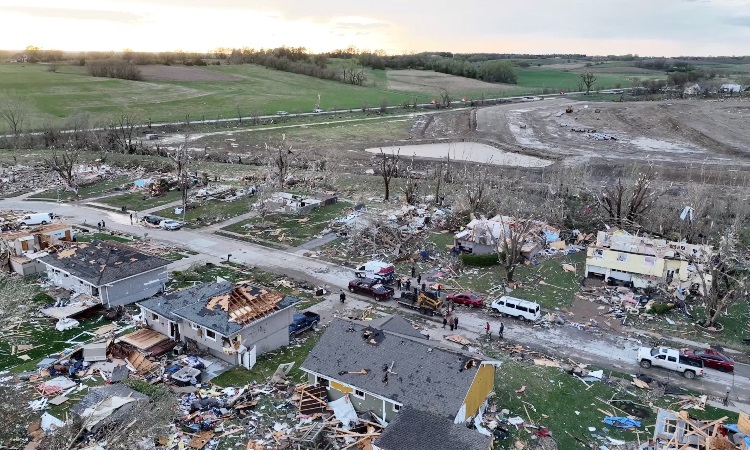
column 546, row 283
column 138, row 201
column 88, row 237
column 266, row 364
column 94, row 190
column 297, row 229
column 211, row 211
column 556, row 80
column 55, row 96
column 571, row 407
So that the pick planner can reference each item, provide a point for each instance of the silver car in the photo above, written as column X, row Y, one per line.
column 169, row 224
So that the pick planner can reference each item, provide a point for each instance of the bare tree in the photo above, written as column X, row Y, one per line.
column 13, row 110
column 181, row 160
column 411, row 189
column 63, row 162
column 239, row 113
column 476, row 187
column 389, row 169
column 53, row 67
column 281, row 160
column 722, row 278
column 588, row 79
column 515, row 233
column 626, row 201
column 446, row 98
column 122, row 131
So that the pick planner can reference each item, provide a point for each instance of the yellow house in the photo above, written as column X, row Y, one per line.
column 385, row 370
column 644, row 261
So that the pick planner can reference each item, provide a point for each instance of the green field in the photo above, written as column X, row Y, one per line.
column 210, row 212
column 138, row 201
column 56, row 96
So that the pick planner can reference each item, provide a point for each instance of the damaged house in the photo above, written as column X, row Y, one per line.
column 677, row 430
column 25, row 247
column 384, row 372
column 645, row 262
column 112, row 272
column 284, row 202
column 483, row 236
column 234, row 322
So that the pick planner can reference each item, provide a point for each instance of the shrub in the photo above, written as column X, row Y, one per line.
column 486, row 260
column 660, row 308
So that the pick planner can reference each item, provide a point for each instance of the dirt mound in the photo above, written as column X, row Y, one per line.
column 431, row 82
column 181, row 73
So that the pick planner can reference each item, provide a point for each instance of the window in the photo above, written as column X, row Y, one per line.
column 649, row 261
column 359, row 394
column 671, row 359
column 622, row 257
column 598, row 254
column 323, row 381
column 670, row 427
column 210, row 334
column 522, row 308
column 154, row 317
column 396, row 407
column 194, row 326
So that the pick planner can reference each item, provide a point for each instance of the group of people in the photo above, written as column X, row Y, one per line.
column 131, row 217
column 100, row 226
column 452, row 321
column 500, row 330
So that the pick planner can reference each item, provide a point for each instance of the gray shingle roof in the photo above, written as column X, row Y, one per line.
column 413, row 429
column 190, row 304
column 96, row 395
column 396, row 324
column 428, row 378
column 103, row 262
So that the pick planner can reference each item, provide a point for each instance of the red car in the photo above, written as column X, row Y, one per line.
column 466, row 298
column 370, row 287
column 713, row 359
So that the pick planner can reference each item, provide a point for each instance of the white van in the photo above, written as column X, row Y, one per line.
column 377, row 270
column 515, row 307
column 36, row 219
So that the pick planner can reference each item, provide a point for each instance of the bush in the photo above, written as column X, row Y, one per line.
column 42, row 298
column 152, row 390
column 486, row 260
column 660, row 308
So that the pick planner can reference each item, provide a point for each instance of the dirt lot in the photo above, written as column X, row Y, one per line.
column 430, row 82
column 180, row 73
column 685, row 131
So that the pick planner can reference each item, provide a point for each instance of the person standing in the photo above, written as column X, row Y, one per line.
column 408, row 285
column 450, row 322
column 398, row 283
column 413, row 271
column 99, row 226
column 487, row 328
column 424, row 287
column 419, row 278
column 501, row 330
column 455, row 322
column 445, row 322
column 342, row 296
column 103, row 225
column 131, row 218
column 136, row 216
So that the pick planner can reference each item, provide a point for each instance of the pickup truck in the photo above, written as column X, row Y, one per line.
column 370, row 287
column 302, row 322
column 670, row 359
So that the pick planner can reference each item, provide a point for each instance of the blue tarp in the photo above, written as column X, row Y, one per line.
column 747, row 442
column 622, row 422
column 731, row 427
column 551, row 237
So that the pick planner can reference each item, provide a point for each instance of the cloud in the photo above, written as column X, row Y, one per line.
column 76, row 14
column 354, row 25
column 738, row 21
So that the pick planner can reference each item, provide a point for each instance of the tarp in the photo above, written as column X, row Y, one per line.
column 344, row 411
column 622, row 422
column 95, row 414
column 49, row 422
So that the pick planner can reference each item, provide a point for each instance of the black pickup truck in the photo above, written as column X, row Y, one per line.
column 303, row 321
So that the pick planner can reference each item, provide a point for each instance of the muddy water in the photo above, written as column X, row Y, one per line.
column 466, row 151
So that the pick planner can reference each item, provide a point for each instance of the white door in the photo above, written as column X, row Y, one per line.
column 247, row 358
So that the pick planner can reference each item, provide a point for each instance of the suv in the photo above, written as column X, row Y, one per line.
column 303, row 321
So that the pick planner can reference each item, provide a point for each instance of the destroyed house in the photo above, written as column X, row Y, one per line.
column 234, row 322
column 27, row 247
column 645, row 262
column 483, row 236
column 413, row 429
column 104, row 406
column 112, row 272
column 677, row 430
column 382, row 372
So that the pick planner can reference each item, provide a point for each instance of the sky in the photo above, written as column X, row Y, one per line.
column 593, row 27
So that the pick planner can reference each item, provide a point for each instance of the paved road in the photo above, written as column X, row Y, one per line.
column 607, row 351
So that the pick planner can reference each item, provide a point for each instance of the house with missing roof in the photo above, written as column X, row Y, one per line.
column 114, row 273
column 234, row 322
column 385, row 372
column 26, row 247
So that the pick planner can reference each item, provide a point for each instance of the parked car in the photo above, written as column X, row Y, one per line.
column 169, row 224
column 377, row 270
column 317, row 110
column 670, row 359
column 516, row 307
column 466, row 298
column 713, row 359
column 282, row 113
column 152, row 220
column 373, row 288
column 303, row 321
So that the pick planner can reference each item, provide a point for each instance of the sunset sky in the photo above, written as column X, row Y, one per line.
column 653, row 27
